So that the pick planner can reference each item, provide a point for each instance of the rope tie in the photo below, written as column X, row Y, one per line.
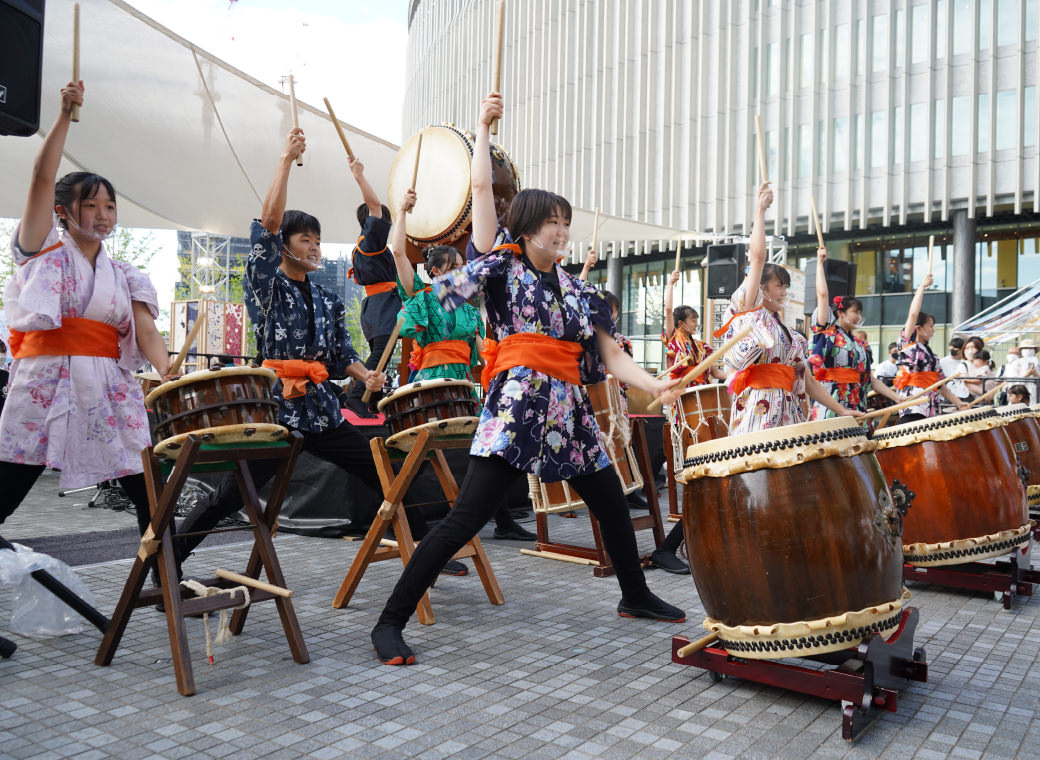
column 223, row 620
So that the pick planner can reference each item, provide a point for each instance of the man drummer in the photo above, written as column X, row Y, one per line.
column 372, row 266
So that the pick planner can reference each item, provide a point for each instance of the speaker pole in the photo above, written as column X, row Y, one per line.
column 74, row 112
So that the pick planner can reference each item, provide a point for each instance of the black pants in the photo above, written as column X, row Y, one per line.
column 343, row 446
column 17, row 479
column 376, row 346
column 479, row 496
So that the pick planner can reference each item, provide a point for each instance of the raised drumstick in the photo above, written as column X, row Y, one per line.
column 496, row 79
column 415, row 171
column 200, row 320
column 707, row 362
column 339, row 129
column 931, row 251
column 74, row 113
column 816, row 221
column 295, row 115
column 763, row 165
column 387, row 353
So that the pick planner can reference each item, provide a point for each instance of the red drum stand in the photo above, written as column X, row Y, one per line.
column 868, row 677
column 1006, row 578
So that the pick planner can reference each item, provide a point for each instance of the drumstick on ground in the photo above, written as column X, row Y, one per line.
column 707, row 362
column 496, row 78
column 912, row 401
column 295, row 115
column 387, row 353
column 988, row 395
column 415, row 171
column 816, row 221
column 339, row 129
column 74, row 112
column 176, row 365
column 763, row 165
column 696, row 646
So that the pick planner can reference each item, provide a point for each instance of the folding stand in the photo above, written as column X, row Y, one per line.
column 376, row 548
column 157, row 545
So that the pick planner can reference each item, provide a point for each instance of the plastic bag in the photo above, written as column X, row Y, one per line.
column 35, row 611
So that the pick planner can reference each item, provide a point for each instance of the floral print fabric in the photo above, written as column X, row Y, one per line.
column 426, row 322
column 83, row 415
column 917, row 357
column 538, row 423
column 833, row 348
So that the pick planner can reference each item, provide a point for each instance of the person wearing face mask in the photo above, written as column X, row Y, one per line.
column 886, row 370
column 840, row 361
column 953, row 362
column 979, row 367
column 919, row 366
column 679, row 336
column 555, row 335
column 769, row 384
column 81, row 324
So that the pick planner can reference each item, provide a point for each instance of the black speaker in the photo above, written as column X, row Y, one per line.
column 841, row 281
column 21, row 64
column 724, row 269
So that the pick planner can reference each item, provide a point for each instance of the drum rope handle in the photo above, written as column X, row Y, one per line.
column 223, row 620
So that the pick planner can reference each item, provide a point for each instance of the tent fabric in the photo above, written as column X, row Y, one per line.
column 190, row 142
column 1008, row 319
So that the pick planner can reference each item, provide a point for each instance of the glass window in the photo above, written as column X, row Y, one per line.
column 878, row 140
column 1029, row 116
column 1030, row 20
column 841, row 52
column 963, row 24
column 1007, row 22
column 840, row 135
column 983, row 126
column 940, row 129
column 1007, row 263
column 897, row 135
column 805, row 74
column 859, row 140
column 785, row 155
column 900, row 36
column 960, row 123
column 920, row 34
column 821, row 155
column 918, row 131
column 804, row 151
column 1029, row 261
column 1007, row 120
column 754, row 74
column 772, row 69
column 861, row 48
column 898, row 271
column 866, row 271
column 985, row 23
column 879, row 55
column 986, row 267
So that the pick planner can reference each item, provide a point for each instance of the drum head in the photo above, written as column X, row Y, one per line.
column 1011, row 412
column 209, row 374
column 443, row 183
column 439, row 382
column 260, row 432
column 945, row 427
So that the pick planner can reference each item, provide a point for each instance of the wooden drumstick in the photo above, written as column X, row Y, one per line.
column 245, row 580
column 595, row 231
column 696, row 646
column 415, row 171
column 816, row 221
column 931, row 249
column 176, row 365
column 912, row 401
column 763, row 164
column 678, row 252
column 339, row 129
column 387, row 353
column 74, row 112
column 988, row 395
column 708, row 361
column 295, row 115
column 675, row 366
column 496, row 78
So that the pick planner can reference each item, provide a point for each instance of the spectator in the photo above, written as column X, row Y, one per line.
column 886, row 370
column 978, row 367
column 954, row 362
column 1018, row 394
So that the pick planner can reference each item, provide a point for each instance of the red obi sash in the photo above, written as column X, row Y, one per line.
column 77, row 336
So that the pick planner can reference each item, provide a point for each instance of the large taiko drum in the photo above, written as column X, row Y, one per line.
column 970, row 501
column 1023, row 429
column 616, row 436
column 444, row 406
column 232, row 405
column 701, row 414
column 794, row 539
column 443, row 210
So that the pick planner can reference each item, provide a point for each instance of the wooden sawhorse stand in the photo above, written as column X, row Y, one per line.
column 375, row 548
column 596, row 556
column 196, row 456
column 674, row 513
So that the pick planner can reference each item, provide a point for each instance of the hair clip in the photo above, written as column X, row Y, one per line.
column 839, row 302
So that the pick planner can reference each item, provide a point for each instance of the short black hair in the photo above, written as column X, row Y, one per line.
column 362, row 213
column 612, row 301
column 770, row 271
column 79, row 186
column 1019, row 390
column 531, row 208
column 440, row 256
column 924, row 318
column 682, row 313
column 294, row 222
column 957, row 342
column 892, row 345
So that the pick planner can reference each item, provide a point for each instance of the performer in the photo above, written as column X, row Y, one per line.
column 679, row 336
column 918, row 366
column 81, row 323
column 590, row 261
column 372, row 266
column 447, row 343
column 553, row 330
column 769, row 382
column 838, row 358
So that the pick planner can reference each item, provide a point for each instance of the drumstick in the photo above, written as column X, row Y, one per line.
column 339, row 129
column 678, row 251
column 988, row 395
column 245, row 580
column 295, row 115
column 696, row 646
column 763, row 165
column 912, row 401
column 387, row 353
column 931, row 243
column 415, row 171
column 176, row 365
column 816, row 220
column 74, row 112
column 708, row 361
column 675, row 366
column 496, row 78
column 595, row 231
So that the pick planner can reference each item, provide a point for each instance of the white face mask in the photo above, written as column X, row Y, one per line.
column 1027, row 352
column 556, row 252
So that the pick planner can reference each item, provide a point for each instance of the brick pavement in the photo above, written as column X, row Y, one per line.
column 553, row 673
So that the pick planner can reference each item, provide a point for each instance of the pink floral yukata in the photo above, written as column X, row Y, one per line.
column 83, row 415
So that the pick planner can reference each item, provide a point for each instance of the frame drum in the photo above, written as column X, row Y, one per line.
column 701, row 414
column 447, row 407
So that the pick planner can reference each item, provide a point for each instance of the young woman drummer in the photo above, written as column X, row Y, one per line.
column 840, row 361
column 681, row 325
column 553, row 331
column 918, row 366
column 81, row 323
column 769, row 383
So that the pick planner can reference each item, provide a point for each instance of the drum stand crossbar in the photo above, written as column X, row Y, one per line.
column 376, row 548
column 596, row 556
column 1006, row 578
column 157, row 546
column 868, row 678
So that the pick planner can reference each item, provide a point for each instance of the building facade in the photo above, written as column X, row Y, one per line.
column 902, row 119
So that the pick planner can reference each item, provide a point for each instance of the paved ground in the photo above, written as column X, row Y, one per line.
column 553, row 673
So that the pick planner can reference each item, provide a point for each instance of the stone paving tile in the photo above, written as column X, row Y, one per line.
column 553, row 673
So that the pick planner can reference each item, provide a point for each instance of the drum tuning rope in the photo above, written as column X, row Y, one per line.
column 224, row 620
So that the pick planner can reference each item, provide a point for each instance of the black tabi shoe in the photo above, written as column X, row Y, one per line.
column 454, row 567
column 669, row 563
column 388, row 642
column 360, row 408
column 652, row 608
column 515, row 533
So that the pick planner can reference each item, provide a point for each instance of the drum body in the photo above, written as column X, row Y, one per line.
column 794, row 539
column 701, row 414
column 1023, row 429
column 616, row 436
column 442, row 212
column 148, row 381
column 220, row 405
column 445, row 406
column 970, row 502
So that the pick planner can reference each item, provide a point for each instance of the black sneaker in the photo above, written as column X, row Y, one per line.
column 635, row 501
column 360, row 408
column 669, row 562
column 652, row 608
column 454, row 567
column 515, row 533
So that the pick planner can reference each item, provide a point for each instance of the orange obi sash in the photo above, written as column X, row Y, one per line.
column 772, row 375
column 77, row 336
column 380, row 287
column 843, row 375
column 916, row 379
column 553, row 356
column 294, row 374
column 440, row 352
